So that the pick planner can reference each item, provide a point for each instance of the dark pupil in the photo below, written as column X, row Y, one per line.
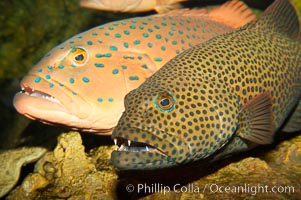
column 79, row 57
column 164, row 102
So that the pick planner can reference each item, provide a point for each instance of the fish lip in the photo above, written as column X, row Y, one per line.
column 29, row 91
column 35, row 94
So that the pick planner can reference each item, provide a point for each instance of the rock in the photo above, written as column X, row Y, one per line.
column 68, row 172
column 11, row 162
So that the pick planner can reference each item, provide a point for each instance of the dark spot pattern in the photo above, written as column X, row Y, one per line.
column 210, row 83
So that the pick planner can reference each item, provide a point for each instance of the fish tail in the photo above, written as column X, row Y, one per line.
column 281, row 17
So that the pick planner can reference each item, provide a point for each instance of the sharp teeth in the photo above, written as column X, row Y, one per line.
column 115, row 141
column 129, row 142
column 121, row 148
column 146, row 148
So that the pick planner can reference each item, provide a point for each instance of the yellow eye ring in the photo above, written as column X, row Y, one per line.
column 165, row 102
column 78, row 56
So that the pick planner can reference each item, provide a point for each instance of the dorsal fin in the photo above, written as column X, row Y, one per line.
column 233, row 13
column 281, row 17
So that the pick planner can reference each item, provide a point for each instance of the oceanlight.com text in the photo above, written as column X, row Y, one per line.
column 211, row 188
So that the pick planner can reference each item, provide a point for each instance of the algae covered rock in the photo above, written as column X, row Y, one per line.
column 67, row 172
column 70, row 173
column 11, row 162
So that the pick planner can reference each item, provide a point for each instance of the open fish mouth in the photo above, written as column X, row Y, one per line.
column 36, row 93
column 131, row 146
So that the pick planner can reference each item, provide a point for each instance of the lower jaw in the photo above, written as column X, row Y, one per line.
column 125, row 160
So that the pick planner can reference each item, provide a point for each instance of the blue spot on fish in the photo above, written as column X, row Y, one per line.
column 51, row 85
column 38, row 79
column 99, row 100
column 61, row 66
column 103, row 55
column 74, row 93
column 50, row 67
column 126, row 45
column 134, row 78
column 123, row 67
column 99, row 65
column 110, row 99
column 47, row 77
column 89, row 43
column 73, row 49
column 61, row 84
column 126, row 32
column 113, row 48
column 40, row 70
column 115, row 71
column 71, row 80
column 157, row 59
column 117, row 35
column 137, row 42
column 86, row 80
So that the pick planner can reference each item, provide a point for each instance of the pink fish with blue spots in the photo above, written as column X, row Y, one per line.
column 82, row 82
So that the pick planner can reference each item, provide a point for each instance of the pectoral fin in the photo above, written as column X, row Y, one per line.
column 256, row 120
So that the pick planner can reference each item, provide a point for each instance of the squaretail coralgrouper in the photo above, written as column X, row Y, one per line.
column 160, row 6
column 82, row 82
column 226, row 95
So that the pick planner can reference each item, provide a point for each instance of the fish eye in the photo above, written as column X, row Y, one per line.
column 165, row 102
column 78, row 55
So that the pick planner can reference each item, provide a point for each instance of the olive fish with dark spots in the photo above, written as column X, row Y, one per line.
column 82, row 82
column 226, row 95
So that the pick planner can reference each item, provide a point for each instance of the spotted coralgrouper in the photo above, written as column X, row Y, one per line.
column 159, row 6
column 82, row 82
column 223, row 96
